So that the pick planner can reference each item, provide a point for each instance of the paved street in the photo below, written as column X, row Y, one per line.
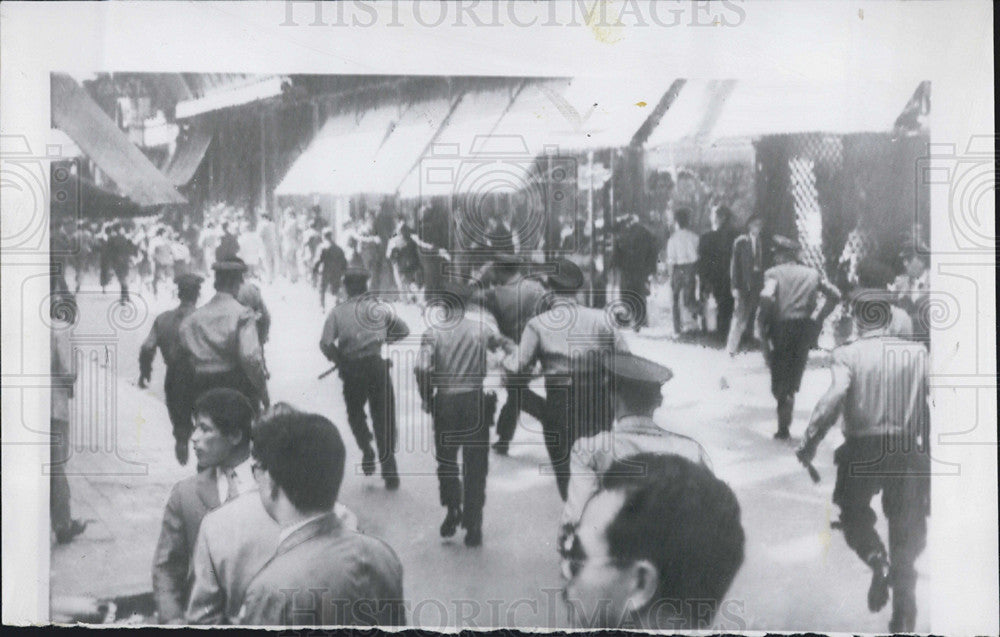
column 798, row 574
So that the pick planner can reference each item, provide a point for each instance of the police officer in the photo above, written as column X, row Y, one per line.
column 450, row 369
column 636, row 384
column 879, row 383
column 513, row 301
column 570, row 341
column 221, row 339
column 787, row 324
column 353, row 335
column 165, row 335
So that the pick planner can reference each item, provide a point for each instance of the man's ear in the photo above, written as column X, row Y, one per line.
column 644, row 578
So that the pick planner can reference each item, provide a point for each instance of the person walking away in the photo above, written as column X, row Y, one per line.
column 269, row 238
column 682, row 264
column 251, row 250
column 787, row 326
column 879, row 384
column 354, row 343
column 636, row 255
column 451, row 366
column 340, row 577
column 715, row 255
column 120, row 251
column 330, row 265
column 177, row 387
column 221, row 339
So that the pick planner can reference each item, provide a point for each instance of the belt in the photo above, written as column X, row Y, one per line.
column 213, row 368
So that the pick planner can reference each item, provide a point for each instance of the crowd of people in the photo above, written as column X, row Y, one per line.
column 648, row 533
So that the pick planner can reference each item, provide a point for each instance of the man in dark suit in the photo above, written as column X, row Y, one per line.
column 636, row 252
column 322, row 574
column 715, row 256
column 746, row 274
column 221, row 441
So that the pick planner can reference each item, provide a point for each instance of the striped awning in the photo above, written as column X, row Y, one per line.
column 191, row 149
column 75, row 113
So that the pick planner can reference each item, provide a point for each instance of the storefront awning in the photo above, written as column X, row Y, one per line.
column 191, row 149
column 467, row 156
column 75, row 113
column 583, row 114
column 713, row 110
column 340, row 159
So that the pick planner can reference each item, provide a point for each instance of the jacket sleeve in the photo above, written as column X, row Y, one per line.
column 208, row 598
column 736, row 274
column 251, row 355
column 171, row 562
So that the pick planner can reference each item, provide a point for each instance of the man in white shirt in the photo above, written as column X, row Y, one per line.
column 682, row 264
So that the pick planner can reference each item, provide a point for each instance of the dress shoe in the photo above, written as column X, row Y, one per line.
column 781, row 434
column 65, row 535
column 391, row 482
column 451, row 522
column 878, row 591
column 368, row 461
column 474, row 536
column 501, row 447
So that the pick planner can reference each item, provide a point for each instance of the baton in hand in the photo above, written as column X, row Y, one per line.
column 327, row 373
column 812, row 472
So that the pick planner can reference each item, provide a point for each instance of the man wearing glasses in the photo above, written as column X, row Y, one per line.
column 322, row 573
column 657, row 547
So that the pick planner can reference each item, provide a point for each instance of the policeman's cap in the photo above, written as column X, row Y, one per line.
column 631, row 368
column 188, row 281
column 568, row 276
column 230, row 264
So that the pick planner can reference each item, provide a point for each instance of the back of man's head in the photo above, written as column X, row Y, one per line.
column 304, row 455
column 229, row 410
column 682, row 217
column 686, row 522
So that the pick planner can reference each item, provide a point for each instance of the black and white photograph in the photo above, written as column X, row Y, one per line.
column 457, row 345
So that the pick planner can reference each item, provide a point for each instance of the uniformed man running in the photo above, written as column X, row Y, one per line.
column 879, row 384
column 513, row 300
column 353, row 335
column 571, row 341
column 450, row 370
column 221, row 339
column 636, row 385
column 787, row 325
column 165, row 335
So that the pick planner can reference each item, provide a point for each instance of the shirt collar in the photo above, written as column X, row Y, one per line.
column 635, row 423
column 244, row 479
column 287, row 531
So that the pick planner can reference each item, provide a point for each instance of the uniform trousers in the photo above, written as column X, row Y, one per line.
column 791, row 341
column 460, row 423
column 634, row 290
column 331, row 283
column 580, row 409
column 367, row 381
column 867, row 465
column 682, row 286
column 179, row 392
column 519, row 398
